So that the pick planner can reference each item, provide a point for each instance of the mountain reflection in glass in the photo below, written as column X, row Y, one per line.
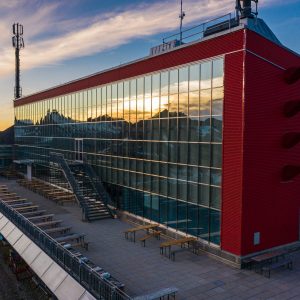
column 155, row 141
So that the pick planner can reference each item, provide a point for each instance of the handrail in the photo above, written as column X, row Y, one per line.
column 98, row 183
column 100, row 288
column 59, row 159
column 202, row 27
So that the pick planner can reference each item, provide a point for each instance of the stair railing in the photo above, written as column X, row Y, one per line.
column 99, row 187
column 59, row 159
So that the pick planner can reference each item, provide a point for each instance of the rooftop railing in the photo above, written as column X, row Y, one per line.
column 198, row 31
column 99, row 287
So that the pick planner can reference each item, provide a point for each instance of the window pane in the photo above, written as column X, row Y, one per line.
column 217, row 128
column 205, row 100
column 205, row 75
column 217, row 103
column 183, row 80
column 218, row 72
column 183, row 104
column 164, row 79
column 194, row 103
column 173, row 81
column 194, row 82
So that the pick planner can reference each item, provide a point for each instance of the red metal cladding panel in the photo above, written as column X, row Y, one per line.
column 269, row 206
column 202, row 50
column 273, row 52
column 231, row 231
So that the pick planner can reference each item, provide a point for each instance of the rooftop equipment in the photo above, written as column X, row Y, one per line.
column 18, row 44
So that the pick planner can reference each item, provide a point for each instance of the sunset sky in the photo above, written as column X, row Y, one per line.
column 65, row 40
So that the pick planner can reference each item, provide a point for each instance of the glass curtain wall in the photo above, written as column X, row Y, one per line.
column 155, row 141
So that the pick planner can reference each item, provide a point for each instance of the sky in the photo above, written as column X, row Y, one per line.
column 65, row 40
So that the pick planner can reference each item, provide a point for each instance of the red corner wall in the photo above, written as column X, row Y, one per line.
column 270, row 206
column 232, row 177
column 253, row 197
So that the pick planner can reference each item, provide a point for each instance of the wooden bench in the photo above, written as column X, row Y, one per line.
column 172, row 253
column 33, row 213
column 9, row 202
column 42, row 217
column 276, row 265
column 62, row 230
column 168, row 292
column 84, row 245
column 19, row 205
column 76, row 237
column 49, row 223
column 154, row 233
column 24, row 209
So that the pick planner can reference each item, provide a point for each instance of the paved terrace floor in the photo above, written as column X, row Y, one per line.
column 144, row 270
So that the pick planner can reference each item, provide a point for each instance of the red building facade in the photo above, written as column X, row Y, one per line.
column 259, row 210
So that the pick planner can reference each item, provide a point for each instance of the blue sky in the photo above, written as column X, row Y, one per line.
column 69, row 39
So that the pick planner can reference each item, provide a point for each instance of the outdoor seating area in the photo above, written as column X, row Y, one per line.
column 186, row 244
column 267, row 262
column 55, row 193
column 152, row 230
column 61, row 233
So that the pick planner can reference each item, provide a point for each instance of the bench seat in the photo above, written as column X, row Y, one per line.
column 167, row 292
column 273, row 266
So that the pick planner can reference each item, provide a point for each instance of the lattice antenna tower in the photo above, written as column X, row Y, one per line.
column 18, row 44
column 181, row 17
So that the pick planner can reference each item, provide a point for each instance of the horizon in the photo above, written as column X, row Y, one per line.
column 63, row 47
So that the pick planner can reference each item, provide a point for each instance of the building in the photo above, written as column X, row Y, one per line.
column 6, row 156
column 190, row 137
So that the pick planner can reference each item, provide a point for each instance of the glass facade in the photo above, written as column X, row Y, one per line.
column 155, row 141
column 6, row 156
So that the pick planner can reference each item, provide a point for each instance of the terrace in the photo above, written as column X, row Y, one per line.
column 143, row 269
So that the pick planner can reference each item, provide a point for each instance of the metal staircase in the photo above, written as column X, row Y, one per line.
column 87, row 187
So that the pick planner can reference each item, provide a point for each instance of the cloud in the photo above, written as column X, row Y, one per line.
column 71, row 38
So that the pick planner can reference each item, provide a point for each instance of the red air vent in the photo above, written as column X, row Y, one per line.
column 290, row 139
column 289, row 172
column 292, row 75
column 291, row 108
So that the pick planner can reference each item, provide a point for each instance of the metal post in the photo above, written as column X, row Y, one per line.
column 181, row 17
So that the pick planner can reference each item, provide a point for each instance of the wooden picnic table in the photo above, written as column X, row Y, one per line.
column 62, row 229
column 167, row 245
column 7, row 194
column 49, row 223
column 33, row 213
column 23, row 204
column 31, row 208
column 133, row 230
column 59, row 192
column 15, row 197
column 15, row 201
column 78, row 237
column 42, row 217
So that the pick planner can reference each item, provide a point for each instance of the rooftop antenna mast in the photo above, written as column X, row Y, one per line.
column 181, row 17
column 18, row 44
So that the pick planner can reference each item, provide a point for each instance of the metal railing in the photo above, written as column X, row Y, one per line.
column 98, row 186
column 84, row 274
column 198, row 31
column 59, row 159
